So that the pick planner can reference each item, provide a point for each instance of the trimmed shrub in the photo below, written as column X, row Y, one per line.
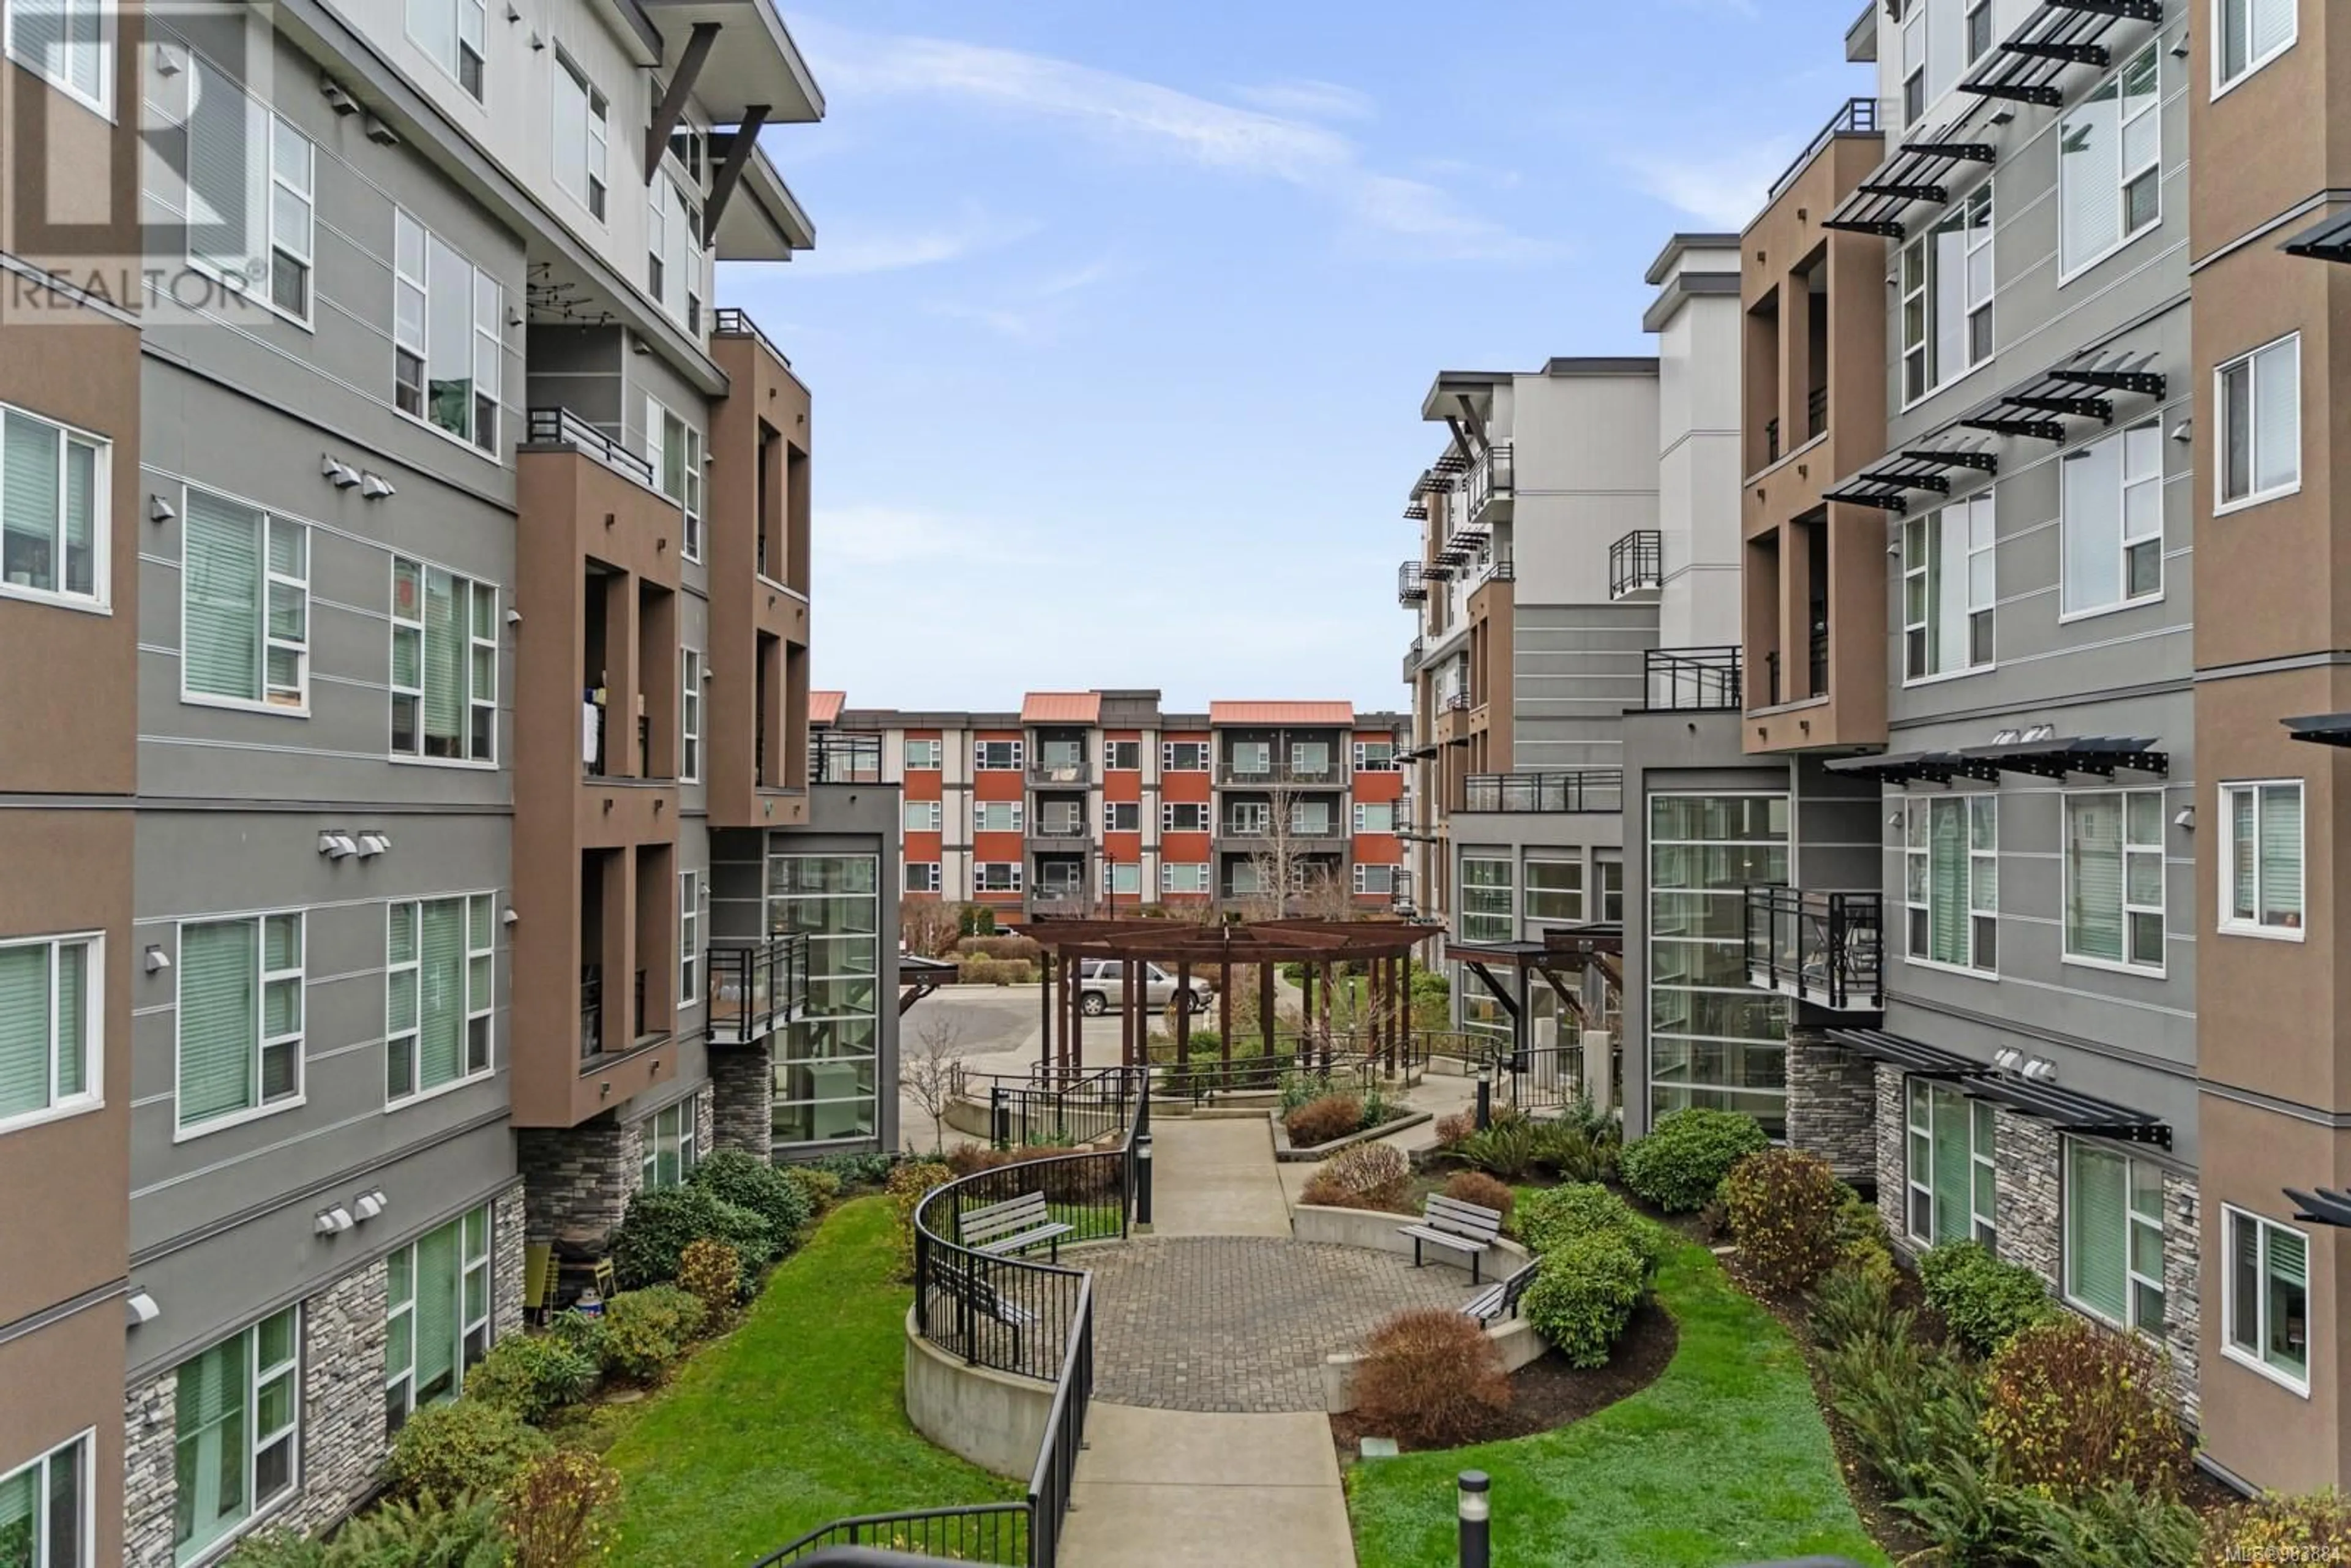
column 1320, row 1121
column 559, row 1510
column 1477, row 1187
column 648, row 1247
column 908, row 1184
column 1023, row 948
column 1584, row 1294
column 645, row 1331
column 749, row 1182
column 425, row 1533
column 1431, row 1379
column 1781, row 1205
column 870, row 1168
column 580, row 1333
column 977, row 970
column 712, row 1274
column 1455, row 1128
column 461, row 1447
column 1367, row 1175
column 1506, row 1149
column 2070, row 1407
column 534, row 1376
column 1861, row 1238
column 818, row 1188
column 2279, row 1529
column 1678, row 1165
column 1548, row 1219
column 1983, row 1301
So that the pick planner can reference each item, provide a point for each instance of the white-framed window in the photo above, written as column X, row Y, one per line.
column 674, row 258
column 1122, row 876
column 1948, row 590
column 922, row 876
column 1612, row 891
column 690, row 896
column 1376, row 756
column 1979, row 30
column 2260, row 866
column 1952, row 1189
column 1184, row 757
column 448, row 322
column 1248, row 819
column 1376, row 816
column 2249, row 34
column 2266, row 1302
column 444, row 665
column 689, row 718
column 996, row 816
column 2113, row 878
column 996, row 876
column 1244, row 880
column 1951, row 881
column 1309, row 819
column 240, row 1020
column 47, row 1509
column 997, row 755
column 674, row 450
column 1914, row 60
column 1184, row 817
column 2110, row 521
column 1375, row 879
column 245, row 606
column 2261, row 424
column 1488, row 914
column 670, row 1154
column 581, row 130
column 1310, row 758
column 924, row 754
column 67, row 43
column 1183, row 876
column 1947, row 289
column 54, row 504
column 2110, row 164
column 452, row 32
column 1122, row 816
column 437, row 1314
column 1555, row 889
column 236, row 1422
column 923, row 816
column 1121, row 755
column 2113, row 1236
column 52, row 1027
column 440, row 993
column 1249, row 758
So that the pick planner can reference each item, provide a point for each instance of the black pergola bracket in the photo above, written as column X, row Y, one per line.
column 1963, row 152
column 2067, row 53
column 2129, row 10
column 1891, row 501
column 1934, row 482
column 2095, row 408
column 1860, row 226
column 2037, row 429
column 1982, row 462
column 1935, row 194
column 2047, row 97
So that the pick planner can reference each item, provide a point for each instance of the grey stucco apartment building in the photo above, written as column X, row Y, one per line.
column 399, row 883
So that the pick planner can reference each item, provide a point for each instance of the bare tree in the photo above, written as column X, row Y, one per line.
column 928, row 926
column 932, row 1072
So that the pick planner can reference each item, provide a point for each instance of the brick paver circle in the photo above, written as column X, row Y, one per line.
column 1242, row 1323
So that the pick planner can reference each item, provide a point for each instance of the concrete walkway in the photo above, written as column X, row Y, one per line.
column 1173, row 1488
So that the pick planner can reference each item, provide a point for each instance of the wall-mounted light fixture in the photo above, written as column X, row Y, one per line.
column 338, row 846
column 375, row 487
column 336, row 99
column 368, row 1205
column 379, row 133
column 139, row 1307
column 2185, row 819
column 157, row 960
column 509, row 917
column 374, row 843
column 342, row 476
column 160, row 510
column 514, row 617
column 333, row 1221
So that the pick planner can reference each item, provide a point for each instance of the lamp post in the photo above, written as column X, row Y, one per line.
column 1477, row 1512
column 1485, row 1093
column 1142, row 1179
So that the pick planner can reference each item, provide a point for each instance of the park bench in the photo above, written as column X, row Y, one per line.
column 1013, row 1226
column 968, row 1287
column 1500, row 1297
column 1463, row 1227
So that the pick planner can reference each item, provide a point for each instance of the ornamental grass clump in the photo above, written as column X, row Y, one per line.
column 2071, row 1408
column 1321, row 1120
column 1477, row 1187
column 1683, row 1160
column 1368, row 1175
column 1782, row 1210
column 1431, row 1379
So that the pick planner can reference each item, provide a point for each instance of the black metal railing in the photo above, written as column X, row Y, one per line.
column 1500, row 567
column 988, row 1533
column 562, row 427
column 733, row 321
column 1412, row 583
column 1816, row 413
column 1051, row 1107
column 844, row 757
column 1770, row 440
column 1543, row 1077
column 1820, row 947
column 1041, row 826
column 1065, row 771
column 592, row 1010
column 1570, row 789
column 637, row 1014
column 755, row 988
column 1456, row 702
column 1819, row 658
column 1771, row 678
column 1637, row 563
column 1490, row 479
column 1854, row 117
column 1690, row 680
column 1331, row 775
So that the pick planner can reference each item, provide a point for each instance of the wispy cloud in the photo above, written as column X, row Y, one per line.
column 851, row 248
column 1036, row 311
column 1309, row 98
column 1147, row 116
column 1723, row 190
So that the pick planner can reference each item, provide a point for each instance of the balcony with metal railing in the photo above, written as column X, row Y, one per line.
column 550, row 428
column 1492, row 478
column 1412, row 583
column 1691, row 680
column 844, row 757
column 1637, row 563
column 756, row 987
column 1819, row 948
column 1573, row 790
column 1854, row 117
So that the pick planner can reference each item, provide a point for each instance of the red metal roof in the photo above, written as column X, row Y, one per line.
column 1061, row 708
column 1281, row 713
column 824, row 707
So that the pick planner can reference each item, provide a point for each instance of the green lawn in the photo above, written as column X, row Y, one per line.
column 793, row 1421
column 1722, row 1461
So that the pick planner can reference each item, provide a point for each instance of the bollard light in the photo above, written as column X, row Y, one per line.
column 1485, row 1093
column 1142, row 1179
column 1476, row 1512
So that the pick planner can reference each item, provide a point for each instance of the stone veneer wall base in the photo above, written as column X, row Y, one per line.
column 1832, row 1106
column 743, row 1098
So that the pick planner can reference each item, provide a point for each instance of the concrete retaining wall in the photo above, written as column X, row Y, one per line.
column 1377, row 1232
column 1514, row 1337
column 995, row 1421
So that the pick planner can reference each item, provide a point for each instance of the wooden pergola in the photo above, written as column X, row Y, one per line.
column 1382, row 947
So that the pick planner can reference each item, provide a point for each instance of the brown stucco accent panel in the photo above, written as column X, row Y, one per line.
column 2271, row 140
column 1494, row 619
column 63, row 1379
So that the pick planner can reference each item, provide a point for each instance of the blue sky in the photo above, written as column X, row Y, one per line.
column 1121, row 313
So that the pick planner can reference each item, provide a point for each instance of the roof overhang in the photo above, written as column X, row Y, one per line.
column 2320, row 1206
column 755, row 62
column 2321, row 728
column 2329, row 239
column 764, row 221
column 2068, row 1109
